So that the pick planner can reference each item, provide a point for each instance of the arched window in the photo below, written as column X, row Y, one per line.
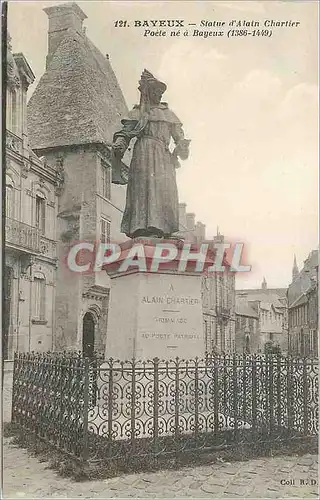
column 39, row 296
column 9, row 197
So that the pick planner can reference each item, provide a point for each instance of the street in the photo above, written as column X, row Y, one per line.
column 280, row 477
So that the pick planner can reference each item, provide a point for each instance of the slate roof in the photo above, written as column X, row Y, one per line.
column 304, row 280
column 300, row 301
column 279, row 292
column 245, row 309
column 274, row 296
column 78, row 99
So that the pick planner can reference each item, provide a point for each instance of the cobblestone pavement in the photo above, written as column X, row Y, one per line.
column 280, row 477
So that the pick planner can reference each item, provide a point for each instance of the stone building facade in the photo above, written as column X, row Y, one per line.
column 63, row 193
column 247, row 333
column 32, row 186
column 218, row 303
column 270, row 305
column 303, row 308
column 72, row 116
column 218, row 290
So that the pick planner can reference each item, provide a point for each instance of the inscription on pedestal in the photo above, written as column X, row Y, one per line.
column 171, row 320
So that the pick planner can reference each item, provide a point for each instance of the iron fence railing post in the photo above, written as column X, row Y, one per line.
column 279, row 406
column 133, row 404
column 216, row 396
column 176, row 403
column 305, row 397
column 85, row 367
column 270, row 360
column 14, row 384
column 225, row 361
column 61, row 412
column 289, row 393
column 235, row 395
column 244, row 388
column 254, row 392
column 109, row 400
column 196, row 399
column 155, row 405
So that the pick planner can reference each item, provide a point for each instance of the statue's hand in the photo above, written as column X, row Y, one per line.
column 182, row 149
column 119, row 147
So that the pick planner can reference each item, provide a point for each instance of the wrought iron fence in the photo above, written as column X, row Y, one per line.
column 155, row 408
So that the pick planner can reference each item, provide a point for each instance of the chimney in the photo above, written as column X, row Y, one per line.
column 200, row 232
column 182, row 217
column 242, row 298
column 62, row 19
column 191, row 218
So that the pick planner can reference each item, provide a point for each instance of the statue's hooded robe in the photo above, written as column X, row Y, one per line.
column 152, row 197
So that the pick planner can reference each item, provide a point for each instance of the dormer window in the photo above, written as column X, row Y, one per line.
column 19, row 77
column 13, row 93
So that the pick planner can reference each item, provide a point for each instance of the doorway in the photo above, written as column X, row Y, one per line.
column 88, row 327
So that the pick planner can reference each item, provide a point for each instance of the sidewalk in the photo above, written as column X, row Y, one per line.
column 280, row 477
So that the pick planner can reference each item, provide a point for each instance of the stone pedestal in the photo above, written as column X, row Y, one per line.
column 155, row 314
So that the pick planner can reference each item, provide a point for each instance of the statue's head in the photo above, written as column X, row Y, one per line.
column 152, row 87
column 155, row 93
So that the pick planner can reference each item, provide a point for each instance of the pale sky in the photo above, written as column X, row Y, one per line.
column 249, row 106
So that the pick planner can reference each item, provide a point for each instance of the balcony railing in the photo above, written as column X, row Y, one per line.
column 48, row 247
column 22, row 235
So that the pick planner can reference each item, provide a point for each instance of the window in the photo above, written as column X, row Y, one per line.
column 105, row 230
column 8, row 108
column 106, row 180
column 206, row 343
column 40, row 212
column 9, row 198
column 39, row 297
column 306, row 313
column 14, row 112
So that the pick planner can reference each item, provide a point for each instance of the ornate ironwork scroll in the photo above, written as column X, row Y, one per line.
column 110, row 410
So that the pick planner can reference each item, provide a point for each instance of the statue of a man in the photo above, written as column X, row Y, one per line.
column 152, row 196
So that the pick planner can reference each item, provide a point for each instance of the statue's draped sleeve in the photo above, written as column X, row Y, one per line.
column 122, row 138
column 132, row 126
